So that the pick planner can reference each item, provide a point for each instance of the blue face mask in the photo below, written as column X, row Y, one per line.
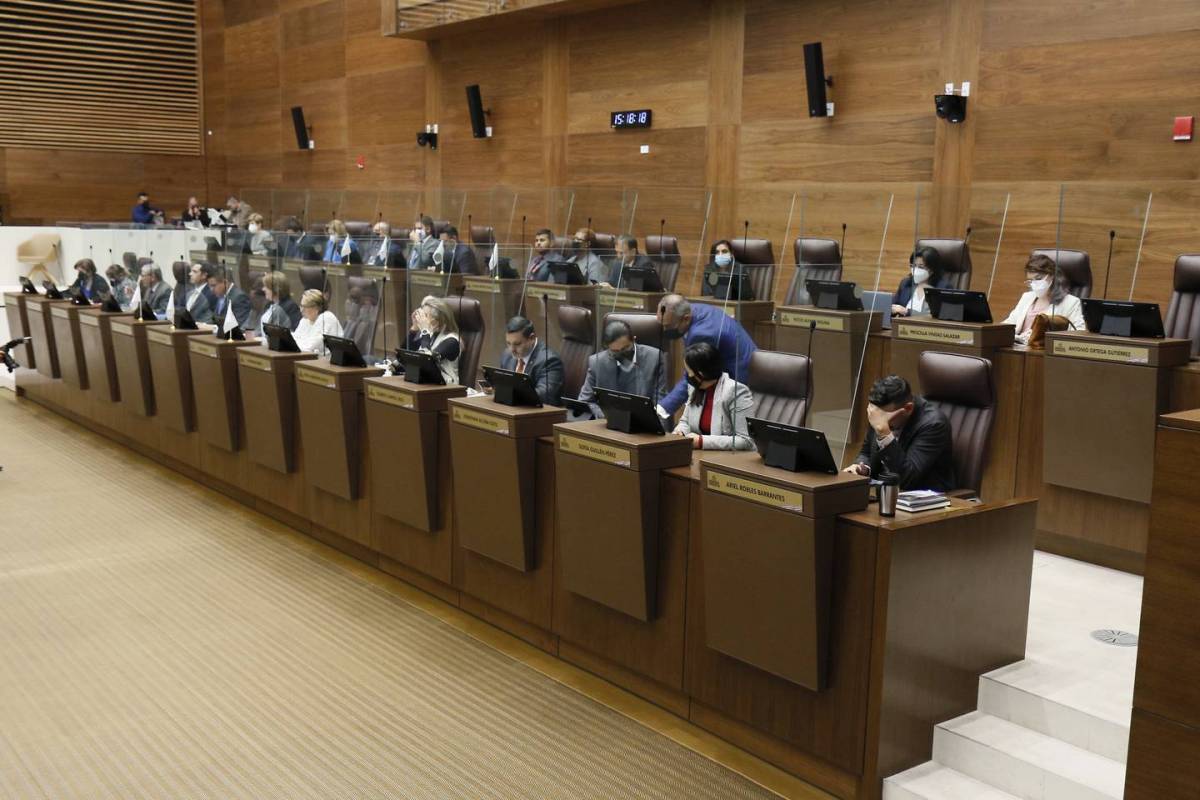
column 723, row 259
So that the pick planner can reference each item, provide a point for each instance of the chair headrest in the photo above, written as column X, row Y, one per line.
column 1187, row 273
column 645, row 327
column 467, row 313
column 439, row 226
column 753, row 251
column 1076, row 265
column 575, row 322
column 365, row 286
column 483, row 234
column 606, row 241
column 312, row 278
column 811, row 252
column 563, row 244
column 781, row 374
column 130, row 260
column 180, row 270
column 358, row 228
column 958, row 379
column 955, row 254
column 666, row 245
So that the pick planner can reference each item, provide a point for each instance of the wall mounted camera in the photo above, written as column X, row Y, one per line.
column 950, row 106
column 428, row 137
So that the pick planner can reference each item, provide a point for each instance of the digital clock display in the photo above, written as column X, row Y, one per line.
column 632, row 119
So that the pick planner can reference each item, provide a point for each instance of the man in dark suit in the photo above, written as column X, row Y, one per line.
column 627, row 256
column 384, row 251
column 623, row 366
column 525, row 352
column 456, row 256
column 908, row 436
column 297, row 244
column 543, row 253
column 227, row 297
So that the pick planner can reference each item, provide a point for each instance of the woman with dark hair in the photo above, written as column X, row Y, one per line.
column 120, row 285
column 715, row 414
column 925, row 271
column 1047, row 295
column 92, row 286
column 722, row 261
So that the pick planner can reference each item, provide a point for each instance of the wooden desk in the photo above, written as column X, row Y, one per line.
column 218, row 396
column 1164, row 736
column 913, row 336
column 132, row 352
column 411, row 489
column 68, row 344
column 172, row 375
column 500, row 300
column 41, row 330
column 439, row 284
column 95, row 329
column 18, row 323
column 544, row 298
column 609, row 299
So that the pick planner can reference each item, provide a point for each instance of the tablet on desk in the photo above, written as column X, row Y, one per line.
column 343, row 352
column 419, row 367
column 1118, row 318
column 566, row 272
column 512, row 388
column 791, row 448
column 629, row 413
column 834, row 295
column 958, row 305
column 279, row 339
column 578, row 407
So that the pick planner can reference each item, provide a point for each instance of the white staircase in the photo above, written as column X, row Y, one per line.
column 1056, row 725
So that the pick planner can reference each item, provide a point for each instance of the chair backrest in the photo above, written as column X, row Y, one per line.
column 578, row 343
column 1076, row 267
column 563, row 244
column 781, row 386
column 646, row 330
column 817, row 260
column 664, row 252
column 469, row 315
column 361, row 314
column 759, row 257
column 180, row 270
column 605, row 245
column 129, row 259
column 1183, row 313
column 962, row 388
column 358, row 228
column 439, row 226
column 312, row 278
column 956, row 259
column 483, row 235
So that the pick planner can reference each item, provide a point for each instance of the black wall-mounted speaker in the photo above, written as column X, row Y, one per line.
column 301, row 128
column 814, row 75
column 478, row 117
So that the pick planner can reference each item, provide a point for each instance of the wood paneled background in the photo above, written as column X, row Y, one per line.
column 1070, row 92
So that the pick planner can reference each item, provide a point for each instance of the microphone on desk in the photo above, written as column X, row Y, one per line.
column 842, row 249
column 1112, row 237
column 812, row 332
column 545, row 332
column 967, row 237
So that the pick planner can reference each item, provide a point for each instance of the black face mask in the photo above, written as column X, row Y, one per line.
column 694, row 381
column 622, row 356
column 671, row 334
column 578, row 244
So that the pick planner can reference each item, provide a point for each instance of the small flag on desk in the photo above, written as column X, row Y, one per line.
column 439, row 255
column 136, row 303
column 494, row 261
column 346, row 247
column 230, row 320
column 171, row 305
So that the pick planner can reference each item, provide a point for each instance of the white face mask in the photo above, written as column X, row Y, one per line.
column 920, row 275
column 1040, row 287
column 252, row 227
column 333, row 237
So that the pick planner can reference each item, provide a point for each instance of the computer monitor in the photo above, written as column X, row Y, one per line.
column 566, row 272
column 879, row 303
column 577, row 407
column 512, row 388
column 279, row 339
column 835, row 295
column 235, row 334
column 1119, row 318
column 630, row 413
column 343, row 352
column 146, row 312
column 791, row 448
column 184, row 320
column 641, row 279
column 52, row 291
column 110, row 304
column 730, row 285
column 505, row 269
column 27, row 286
column 420, row 367
column 958, row 305
column 79, row 298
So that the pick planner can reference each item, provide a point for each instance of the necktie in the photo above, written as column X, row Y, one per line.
column 520, row 365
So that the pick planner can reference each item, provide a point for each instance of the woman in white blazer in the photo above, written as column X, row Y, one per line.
column 714, row 416
column 1047, row 295
column 315, row 323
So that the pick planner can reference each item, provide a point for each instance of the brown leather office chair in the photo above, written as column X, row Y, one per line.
column 130, row 260
column 563, row 245
column 646, row 330
column 180, row 270
column 1075, row 265
column 439, row 226
column 358, row 228
column 1183, row 312
column 664, row 252
column 963, row 389
column 956, row 259
column 469, row 315
column 781, row 386
column 361, row 313
column 605, row 245
column 816, row 260
column 578, row 343
column 312, row 278
column 758, row 257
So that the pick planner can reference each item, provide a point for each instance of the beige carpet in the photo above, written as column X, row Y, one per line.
column 159, row 641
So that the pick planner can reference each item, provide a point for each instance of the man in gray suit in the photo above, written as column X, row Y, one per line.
column 422, row 244
column 155, row 292
column 624, row 366
column 525, row 352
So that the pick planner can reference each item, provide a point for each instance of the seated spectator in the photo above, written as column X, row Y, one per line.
column 238, row 213
column 146, row 214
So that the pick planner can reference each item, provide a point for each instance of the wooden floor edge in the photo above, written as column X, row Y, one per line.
column 644, row 712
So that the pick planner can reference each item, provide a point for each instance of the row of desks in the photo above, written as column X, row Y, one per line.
column 777, row 610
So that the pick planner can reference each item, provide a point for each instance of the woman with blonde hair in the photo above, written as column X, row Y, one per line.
column 261, row 241
column 316, row 323
column 434, row 330
column 341, row 248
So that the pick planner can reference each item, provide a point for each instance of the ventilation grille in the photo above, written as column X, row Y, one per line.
column 100, row 75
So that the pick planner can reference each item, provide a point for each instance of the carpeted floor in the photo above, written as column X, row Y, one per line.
column 159, row 641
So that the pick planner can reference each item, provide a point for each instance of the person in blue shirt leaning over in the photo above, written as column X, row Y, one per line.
column 703, row 323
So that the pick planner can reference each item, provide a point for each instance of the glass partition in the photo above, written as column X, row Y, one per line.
column 1101, row 230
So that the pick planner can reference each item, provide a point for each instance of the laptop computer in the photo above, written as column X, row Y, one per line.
column 880, row 303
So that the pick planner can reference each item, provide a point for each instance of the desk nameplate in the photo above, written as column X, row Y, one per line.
column 159, row 338
column 124, row 330
column 800, row 319
column 89, row 320
column 617, row 300
column 597, row 451
column 553, row 294
column 392, row 397
column 432, row 279
column 936, row 334
column 315, row 377
column 755, row 491
column 480, row 420
column 1100, row 351
column 482, row 285
column 254, row 362
column 201, row 349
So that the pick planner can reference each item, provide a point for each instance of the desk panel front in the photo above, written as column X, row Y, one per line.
column 41, row 330
column 68, row 342
column 18, row 323
column 95, row 328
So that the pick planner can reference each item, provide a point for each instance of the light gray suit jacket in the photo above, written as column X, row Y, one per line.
column 731, row 406
column 647, row 378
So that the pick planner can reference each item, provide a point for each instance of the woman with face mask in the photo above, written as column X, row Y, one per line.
column 340, row 247
column 261, row 243
column 714, row 417
column 722, row 261
column 925, row 271
column 1047, row 295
